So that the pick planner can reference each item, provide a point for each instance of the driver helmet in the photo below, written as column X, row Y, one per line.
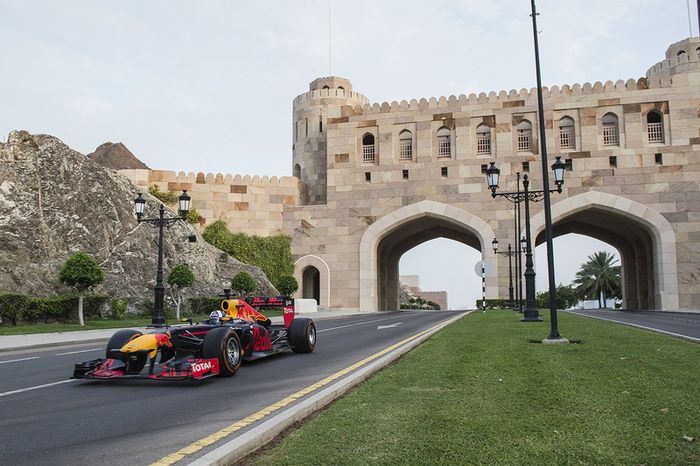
column 215, row 317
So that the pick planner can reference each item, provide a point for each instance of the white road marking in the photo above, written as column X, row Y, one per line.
column 679, row 335
column 379, row 327
column 81, row 351
column 36, row 387
column 18, row 360
column 355, row 324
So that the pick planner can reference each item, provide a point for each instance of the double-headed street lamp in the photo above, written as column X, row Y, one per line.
column 492, row 178
column 139, row 204
column 510, row 253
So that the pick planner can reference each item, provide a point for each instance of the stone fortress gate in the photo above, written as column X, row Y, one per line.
column 373, row 181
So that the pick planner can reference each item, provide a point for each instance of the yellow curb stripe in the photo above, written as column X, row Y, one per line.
column 245, row 422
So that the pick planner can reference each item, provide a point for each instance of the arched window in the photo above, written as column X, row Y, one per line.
column 697, row 50
column 611, row 132
column 297, row 170
column 567, row 133
column 444, row 142
column 368, row 148
column 483, row 139
column 405, row 145
column 655, row 127
column 681, row 53
column 340, row 91
column 524, row 132
column 326, row 87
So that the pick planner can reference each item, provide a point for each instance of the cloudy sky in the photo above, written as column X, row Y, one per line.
column 208, row 86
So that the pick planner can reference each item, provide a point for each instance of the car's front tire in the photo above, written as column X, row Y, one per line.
column 223, row 344
column 117, row 341
column 302, row 335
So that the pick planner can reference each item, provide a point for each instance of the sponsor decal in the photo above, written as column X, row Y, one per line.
column 202, row 367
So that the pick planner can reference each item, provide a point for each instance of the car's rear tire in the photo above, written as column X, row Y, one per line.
column 121, row 338
column 223, row 344
column 302, row 335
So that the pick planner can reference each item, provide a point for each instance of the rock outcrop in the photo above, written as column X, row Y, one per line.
column 55, row 201
column 116, row 156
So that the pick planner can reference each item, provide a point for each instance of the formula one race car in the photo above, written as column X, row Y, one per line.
column 216, row 346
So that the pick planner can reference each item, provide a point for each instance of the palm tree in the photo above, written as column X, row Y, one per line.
column 599, row 278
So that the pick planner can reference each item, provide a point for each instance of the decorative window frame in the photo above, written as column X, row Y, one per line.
column 618, row 111
column 515, row 119
column 361, row 131
column 437, row 126
column 396, row 133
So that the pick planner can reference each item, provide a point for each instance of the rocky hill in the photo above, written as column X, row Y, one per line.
column 116, row 156
column 55, row 201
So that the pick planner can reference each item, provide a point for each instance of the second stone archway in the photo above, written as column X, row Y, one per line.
column 391, row 236
column 644, row 238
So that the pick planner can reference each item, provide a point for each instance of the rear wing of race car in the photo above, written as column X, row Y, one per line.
column 285, row 302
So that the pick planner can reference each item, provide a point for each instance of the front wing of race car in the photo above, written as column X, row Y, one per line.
column 176, row 369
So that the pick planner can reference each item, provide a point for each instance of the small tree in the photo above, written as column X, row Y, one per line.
column 243, row 284
column 287, row 285
column 180, row 277
column 82, row 273
column 566, row 297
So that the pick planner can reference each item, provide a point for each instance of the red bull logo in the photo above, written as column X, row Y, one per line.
column 163, row 339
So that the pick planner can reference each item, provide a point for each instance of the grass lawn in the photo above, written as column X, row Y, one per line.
column 479, row 393
column 99, row 324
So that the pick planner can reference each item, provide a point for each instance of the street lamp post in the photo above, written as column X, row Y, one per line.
column 549, row 235
column 519, row 248
column 492, row 178
column 158, row 319
column 510, row 253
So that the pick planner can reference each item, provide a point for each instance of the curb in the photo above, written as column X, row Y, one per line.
column 247, row 443
column 55, row 343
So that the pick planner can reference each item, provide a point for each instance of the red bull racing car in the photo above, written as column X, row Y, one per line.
column 198, row 351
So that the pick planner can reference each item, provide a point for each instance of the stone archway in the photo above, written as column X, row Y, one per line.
column 303, row 267
column 644, row 237
column 384, row 242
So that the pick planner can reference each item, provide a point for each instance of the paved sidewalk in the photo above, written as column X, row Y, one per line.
column 40, row 340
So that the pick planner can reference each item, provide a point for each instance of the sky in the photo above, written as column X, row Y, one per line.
column 208, row 86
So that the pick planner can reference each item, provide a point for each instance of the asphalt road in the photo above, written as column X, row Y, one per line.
column 138, row 422
column 677, row 324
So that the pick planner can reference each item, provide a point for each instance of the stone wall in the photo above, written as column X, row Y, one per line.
column 252, row 205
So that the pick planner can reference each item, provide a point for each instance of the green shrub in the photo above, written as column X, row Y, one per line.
column 243, row 284
column 273, row 254
column 193, row 216
column 119, row 308
column 494, row 304
column 204, row 304
column 287, row 285
column 166, row 197
column 12, row 307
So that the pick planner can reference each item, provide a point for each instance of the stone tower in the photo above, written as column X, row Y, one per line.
column 328, row 98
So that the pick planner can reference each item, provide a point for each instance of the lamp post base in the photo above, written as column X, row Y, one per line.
column 531, row 317
column 555, row 341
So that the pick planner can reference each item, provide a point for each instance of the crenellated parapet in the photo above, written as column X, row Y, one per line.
column 681, row 57
column 555, row 92
column 329, row 93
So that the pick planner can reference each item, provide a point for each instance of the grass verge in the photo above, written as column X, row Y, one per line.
column 479, row 393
